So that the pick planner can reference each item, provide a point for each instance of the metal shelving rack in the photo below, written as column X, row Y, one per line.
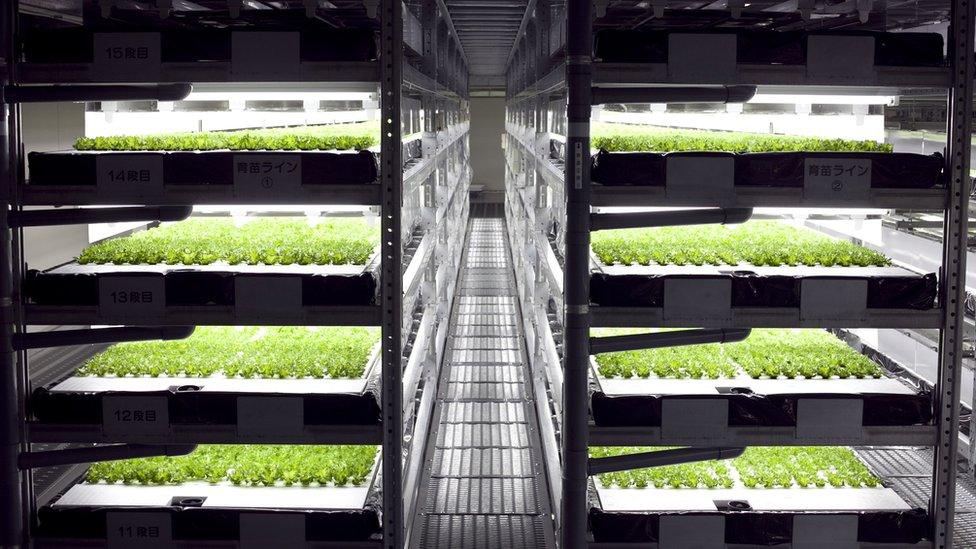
column 552, row 80
column 420, row 76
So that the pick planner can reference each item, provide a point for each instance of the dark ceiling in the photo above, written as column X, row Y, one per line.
column 487, row 29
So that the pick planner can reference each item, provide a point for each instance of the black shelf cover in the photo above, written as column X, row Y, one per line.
column 318, row 43
column 186, row 287
column 904, row 49
column 748, row 409
column 770, row 169
column 760, row 528
column 207, row 523
column 190, row 407
column 751, row 290
column 206, row 167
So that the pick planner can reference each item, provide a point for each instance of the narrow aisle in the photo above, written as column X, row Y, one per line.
column 484, row 480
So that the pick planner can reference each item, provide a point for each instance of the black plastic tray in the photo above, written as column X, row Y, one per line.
column 760, row 528
column 200, row 288
column 747, row 409
column 188, row 407
column 318, row 43
column 770, row 169
column 751, row 290
column 207, row 523
column 204, row 167
column 769, row 47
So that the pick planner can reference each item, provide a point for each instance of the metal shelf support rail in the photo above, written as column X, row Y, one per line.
column 959, row 132
column 391, row 175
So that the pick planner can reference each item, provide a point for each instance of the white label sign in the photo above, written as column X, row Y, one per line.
column 265, row 55
column 833, row 298
column 129, row 173
column 829, row 418
column 256, row 295
column 816, row 531
column 125, row 529
column 691, row 531
column 700, row 176
column 697, row 299
column 702, row 57
column 262, row 174
column 127, row 415
column 260, row 530
column 126, row 56
column 839, row 178
column 685, row 418
column 125, row 296
column 270, row 416
column 840, row 57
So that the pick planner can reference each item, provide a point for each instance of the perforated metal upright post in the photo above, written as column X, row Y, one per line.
column 391, row 292
column 955, row 244
column 576, row 276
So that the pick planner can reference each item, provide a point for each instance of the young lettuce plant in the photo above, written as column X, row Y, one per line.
column 245, row 465
column 759, row 243
column 758, row 467
column 358, row 136
column 268, row 241
column 249, row 352
column 615, row 137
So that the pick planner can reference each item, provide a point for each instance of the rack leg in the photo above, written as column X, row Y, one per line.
column 11, row 482
column 575, row 436
column 955, row 233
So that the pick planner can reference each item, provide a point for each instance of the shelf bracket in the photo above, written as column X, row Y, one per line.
column 81, row 216
column 613, row 344
column 17, row 93
column 671, row 218
column 92, row 454
column 660, row 458
column 64, row 338
column 673, row 94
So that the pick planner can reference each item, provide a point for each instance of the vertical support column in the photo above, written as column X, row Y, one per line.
column 576, row 281
column 942, row 505
column 391, row 292
column 12, row 480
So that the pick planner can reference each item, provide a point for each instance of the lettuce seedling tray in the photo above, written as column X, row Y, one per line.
column 838, row 501
column 317, row 384
column 264, row 271
column 781, row 385
column 708, row 274
column 257, row 504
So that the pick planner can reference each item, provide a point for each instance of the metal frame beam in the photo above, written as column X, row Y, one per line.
column 953, row 283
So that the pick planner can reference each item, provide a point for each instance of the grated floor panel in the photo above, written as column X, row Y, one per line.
column 484, row 484
column 908, row 471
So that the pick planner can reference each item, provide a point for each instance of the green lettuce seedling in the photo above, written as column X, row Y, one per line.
column 245, row 465
column 759, row 243
column 758, row 467
column 630, row 137
column 358, row 136
column 766, row 353
column 268, row 241
column 249, row 352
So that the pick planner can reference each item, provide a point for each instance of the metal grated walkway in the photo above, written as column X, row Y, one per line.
column 484, row 479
